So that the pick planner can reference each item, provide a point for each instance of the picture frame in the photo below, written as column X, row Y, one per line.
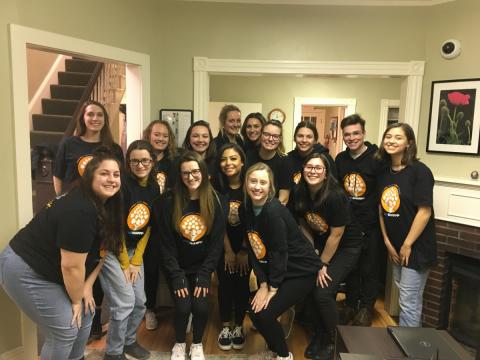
column 179, row 120
column 454, row 120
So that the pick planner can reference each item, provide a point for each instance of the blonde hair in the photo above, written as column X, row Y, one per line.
column 259, row 167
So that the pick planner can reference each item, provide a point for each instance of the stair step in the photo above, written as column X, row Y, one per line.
column 59, row 107
column 54, row 123
column 44, row 137
column 73, row 78
column 67, row 92
column 80, row 65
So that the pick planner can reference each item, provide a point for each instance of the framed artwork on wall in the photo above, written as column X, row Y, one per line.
column 179, row 120
column 454, row 122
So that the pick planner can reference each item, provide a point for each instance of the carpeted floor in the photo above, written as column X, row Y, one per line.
column 98, row 355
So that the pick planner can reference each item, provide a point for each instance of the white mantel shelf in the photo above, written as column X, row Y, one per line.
column 457, row 181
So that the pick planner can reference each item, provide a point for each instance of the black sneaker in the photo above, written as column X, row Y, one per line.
column 364, row 317
column 114, row 357
column 314, row 347
column 136, row 351
column 225, row 339
column 238, row 339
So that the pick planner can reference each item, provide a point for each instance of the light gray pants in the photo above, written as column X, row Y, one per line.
column 48, row 305
column 126, row 301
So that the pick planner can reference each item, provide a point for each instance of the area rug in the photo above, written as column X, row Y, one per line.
column 98, row 355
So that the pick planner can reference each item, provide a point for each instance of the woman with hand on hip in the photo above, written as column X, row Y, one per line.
column 406, row 218
column 50, row 265
column 192, row 228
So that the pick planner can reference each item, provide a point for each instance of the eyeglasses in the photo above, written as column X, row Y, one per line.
column 144, row 162
column 195, row 173
column 318, row 169
column 274, row 137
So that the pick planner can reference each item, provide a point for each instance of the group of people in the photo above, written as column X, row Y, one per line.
column 302, row 221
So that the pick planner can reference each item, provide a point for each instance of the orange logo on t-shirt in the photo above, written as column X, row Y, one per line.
column 192, row 227
column 257, row 244
column 233, row 218
column 354, row 185
column 161, row 180
column 138, row 216
column 82, row 163
column 316, row 222
column 296, row 177
column 390, row 199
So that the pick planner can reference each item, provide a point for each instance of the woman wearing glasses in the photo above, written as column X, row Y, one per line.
column 324, row 215
column 272, row 153
column 192, row 227
column 122, row 276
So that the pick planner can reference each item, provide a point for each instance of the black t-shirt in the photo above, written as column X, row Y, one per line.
column 281, row 172
column 278, row 250
column 333, row 212
column 223, row 139
column 195, row 249
column 165, row 174
column 235, row 228
column 137, row 205
column 358, row 177
column 401, row 193
column 69, row 222
column 74, row 154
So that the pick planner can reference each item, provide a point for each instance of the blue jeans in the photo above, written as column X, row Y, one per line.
column 126, row 301
column 48, row 305
column 411, row 284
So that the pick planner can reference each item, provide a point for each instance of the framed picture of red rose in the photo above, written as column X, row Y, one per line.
column 454, row 125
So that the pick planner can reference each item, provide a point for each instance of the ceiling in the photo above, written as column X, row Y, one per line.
column 336, row 2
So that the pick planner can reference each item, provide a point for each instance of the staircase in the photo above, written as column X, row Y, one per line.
column 49, row 127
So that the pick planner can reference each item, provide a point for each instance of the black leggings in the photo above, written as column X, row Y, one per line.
column 324, row 299
column 198, row 307
column 233, row 292
column 289, row 293
column 151, row 266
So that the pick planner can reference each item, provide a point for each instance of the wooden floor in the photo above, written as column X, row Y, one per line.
column 163, row 338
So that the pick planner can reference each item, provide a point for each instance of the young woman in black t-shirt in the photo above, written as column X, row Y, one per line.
column 323, row 211
column 282, row 258
column 230, row 119
column 406, row 218
column 251, row 130
column 50, row 265
column 191, row 228
column 232, row 271
column 199, row 139
column 161, row 137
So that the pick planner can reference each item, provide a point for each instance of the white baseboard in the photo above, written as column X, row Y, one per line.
column 15, row 354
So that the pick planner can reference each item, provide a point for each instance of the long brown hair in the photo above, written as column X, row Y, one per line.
column 207, row 196
column 410, row 154
column 211, row 151
column 171, row 149
column 106, row 137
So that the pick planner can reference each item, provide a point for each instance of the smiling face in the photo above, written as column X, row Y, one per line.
column 258, row 186
column 305, row 139
column 395, row 142
column 94, row 118
column 191, row 176
column 253, row 129
column 106, row 180
column 233, row 123
column 314, row 172
column 231, row 163
column 159, row 137
column 140, row 163
column 353, row 137
column 199, row 139
column 271, row 137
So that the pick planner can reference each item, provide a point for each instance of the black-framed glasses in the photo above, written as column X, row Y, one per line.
column 144, row 162
column 274, row 137
column 318, row 169
column 195, row 173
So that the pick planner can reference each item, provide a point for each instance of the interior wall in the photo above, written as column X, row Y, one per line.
column 457, row 20
column 280, row 91
column 39, row 64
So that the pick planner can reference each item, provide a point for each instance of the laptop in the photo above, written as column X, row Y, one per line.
column 422, row 343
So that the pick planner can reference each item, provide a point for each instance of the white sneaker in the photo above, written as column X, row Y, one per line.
column 289, row 357
column 179, row 351
column 196, row 352
column 151, row 322
column 263, row 355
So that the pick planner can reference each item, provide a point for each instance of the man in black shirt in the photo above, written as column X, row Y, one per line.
column 357, row 173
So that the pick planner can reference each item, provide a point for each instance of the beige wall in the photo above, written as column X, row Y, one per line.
column 39, row 64
column 457, row 20
column 280, row 91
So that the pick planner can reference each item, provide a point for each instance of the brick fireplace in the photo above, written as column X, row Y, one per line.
column 452, row 238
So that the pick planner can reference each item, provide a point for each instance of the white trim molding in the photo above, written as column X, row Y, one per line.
column 385, row 104
column 14, row 354
column 411, row 71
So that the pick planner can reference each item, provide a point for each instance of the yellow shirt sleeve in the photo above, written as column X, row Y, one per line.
column 137, row 258
column 123, row 256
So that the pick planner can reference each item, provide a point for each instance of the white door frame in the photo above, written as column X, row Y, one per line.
column 138, row 112
column 384, row 105
column 410, row 71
